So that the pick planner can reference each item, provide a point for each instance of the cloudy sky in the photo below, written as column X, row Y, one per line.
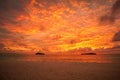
column 59, row 25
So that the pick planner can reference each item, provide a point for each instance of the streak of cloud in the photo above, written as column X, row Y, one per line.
column 111, row 17
column 116, row 37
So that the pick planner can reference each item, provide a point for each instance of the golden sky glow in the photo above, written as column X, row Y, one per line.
column 59, row 25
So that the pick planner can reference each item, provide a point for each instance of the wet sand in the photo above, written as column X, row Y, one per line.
column 46, row 70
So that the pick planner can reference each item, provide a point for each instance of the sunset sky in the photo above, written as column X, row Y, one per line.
column 59, row 25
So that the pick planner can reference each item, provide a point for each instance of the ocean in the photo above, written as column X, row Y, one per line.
column 100, row 58
column 60, row 67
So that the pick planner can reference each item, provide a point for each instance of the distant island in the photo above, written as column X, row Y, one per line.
column 39, row 53
column 88, row 53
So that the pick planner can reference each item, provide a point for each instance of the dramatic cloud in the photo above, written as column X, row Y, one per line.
column 116, row 36
column 57, row 25
column 1, row 46
column 114, row 13
column 9, row 10
column 116, row 8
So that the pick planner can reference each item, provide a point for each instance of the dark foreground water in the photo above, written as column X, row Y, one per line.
column 60, row 67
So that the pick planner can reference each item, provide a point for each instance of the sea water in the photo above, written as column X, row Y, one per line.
column 99, row 58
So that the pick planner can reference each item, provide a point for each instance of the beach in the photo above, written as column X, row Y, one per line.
column 58, row 70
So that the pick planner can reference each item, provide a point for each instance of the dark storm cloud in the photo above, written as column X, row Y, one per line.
column 10, row 9
column 2, row 46
column 3, row 30
column 4, row 33
column 116, row 47
column 116, row 37
column 110, row 18
column 107, row 19
column 116, row 7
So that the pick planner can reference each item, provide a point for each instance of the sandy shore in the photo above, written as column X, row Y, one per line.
column 26, row 70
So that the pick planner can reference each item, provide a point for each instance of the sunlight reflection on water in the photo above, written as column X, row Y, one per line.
column 73, row 58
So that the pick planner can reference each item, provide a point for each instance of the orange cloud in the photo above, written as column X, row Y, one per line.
column 56, row 26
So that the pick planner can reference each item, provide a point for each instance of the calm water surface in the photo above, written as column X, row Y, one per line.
column 65, row 58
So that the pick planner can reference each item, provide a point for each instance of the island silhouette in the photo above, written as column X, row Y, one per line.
column 90, row 53
column 39, row 53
